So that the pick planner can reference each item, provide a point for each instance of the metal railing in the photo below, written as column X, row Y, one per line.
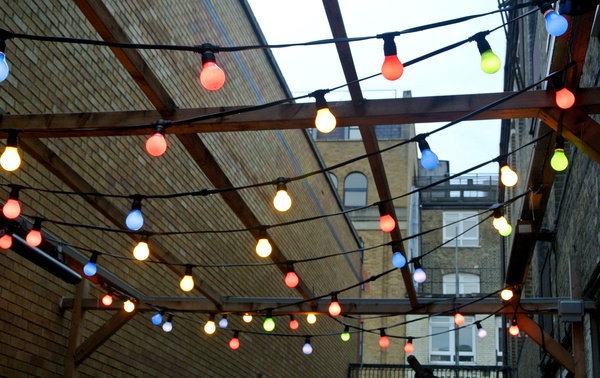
column 476, row 189
column 440, row 371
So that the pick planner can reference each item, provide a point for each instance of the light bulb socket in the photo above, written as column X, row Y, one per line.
column 2, row 45
column 544, row 6
column 208, row 53
column 423, row 145
column 559, row 143
column 160, row 129
column 410, row 340
column 37, row 224
column 94, row 257
column 320, row 101
column 236, row 334
column 8, row 231
column 211, row 318
column 478, row 325
column 381, row 332
column 417, row 265
column 290, row 268
column 13, row 137
column 306, row 339
column 347, row 329
column 557, row 82
column 513, row 322
column 137, row 202
column 389, row 46
column 188, row 270
column 382, row 209
column 497, row 213
column 334, row 297
column 482, row 44
column 280, row 186
column 14, row 192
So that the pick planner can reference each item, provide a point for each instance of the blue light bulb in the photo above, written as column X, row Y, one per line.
column 134, row 220
column 223, row 323
column 398, row 260
column 90, row 268
column 157, row 319
column 556, row 24
column 3, row 67
column 429, row 159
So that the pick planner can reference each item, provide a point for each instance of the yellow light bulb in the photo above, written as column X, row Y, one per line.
column 499, row 223
column 263, row 247
column 325, row 121
column 311, row 318
column 141, row 251
column 506, row 294
column 247, row 318
column 128, row 306
column 10, row 159
column 508, row 176
column 187, row 283
column 282, row 200
column 210, row 327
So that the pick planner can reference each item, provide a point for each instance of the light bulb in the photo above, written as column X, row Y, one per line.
column 559, row 161
column 345, row 336
column 514, row 329
column 34, row 238
column 334, row 307
column 141, row 250
column 294, row 324
column 247, row 318
column 408, row 347
column 508, row 177
column 223, row 323
column 282, row 200
column 269, row 324
column 157, row 318
column 11, row 209
column 135, row 219
column 387, row 223
column 10, row 159
column 128, row 306
column 234, row 343
column 187, row 282
column 3, row 67
column 263, row 247
column 391, row 69
column 291, row 279
column 499, row 221
column 6, row 240
column 564, row 98
column 325, row 121
column 507, row 230
column 156, row 144
column 429, row 160
column 481, row 332
column 556, row 24
column 459, row 319
column 212, row 77
column 210, row 327
column 307, row 348
column 107, row 300
column 490, row 63
column 90, row 268
column 506, row 294
column 311, row 318
column 384, row 341
column 419, row 274
column 398, row 260
column 168, row 325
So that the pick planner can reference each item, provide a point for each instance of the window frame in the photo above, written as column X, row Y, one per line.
column 356, row 189
column 464, row 241
column 463, row 279
column 447, row 322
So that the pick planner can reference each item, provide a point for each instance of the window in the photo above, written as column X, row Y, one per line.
column 333, row 179
column 470, row 238
column 354, row 133
column 499, row 337
column 441, row 346
column 355, row 190
column 467, row 283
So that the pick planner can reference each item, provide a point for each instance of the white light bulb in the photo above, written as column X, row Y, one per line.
column 141, row 251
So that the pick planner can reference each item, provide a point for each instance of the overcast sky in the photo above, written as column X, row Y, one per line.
column 455, row 72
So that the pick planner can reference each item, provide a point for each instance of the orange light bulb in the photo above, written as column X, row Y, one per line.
column 6, row 241
column 565, row 98
column 409, row 347
column 334, row 308
column 387, row 223
column 392, row 68
column 384, row 342
column 459, row 319
column 107, row 300
column 212, row 77
column 156, row 145
column 34, row 238
column 291, row 279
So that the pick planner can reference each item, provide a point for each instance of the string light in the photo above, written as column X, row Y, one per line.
column 408, row 347
column 212, row 77
column 490, row 63
column 10, row 159
column 501, row 224
column 384, row 341
column 34, row 237
column 481, row 332
column 269, row 323
column 556, row 24
column 429, row 159
column 398, row 260
column 210, row 327
column 459, row 319
column 187, row 282
column 325, row 121
column 135, row 220
column 514, row 328
column 168, row 325
column 392, row 68
column 107, row 300
column 506, row 294
column 128, row 306
column 345, row 336
column 12, row 207
column 6, row 239
column 564, row 98
column 307, row 348
column 419, row 274
column 291, row 278
column 386, row 221
column 508, row 177
column 294, row 324
column 559, row 161
column 282, row 200
column 234, row 343
column 156, row 144
column 3, row 65
column 334, row 307
column 141, row 250
column 311, row 318
column 158, row 318
column 263, row 247
column 247, row 318
column 223, row 323
column 90, row 268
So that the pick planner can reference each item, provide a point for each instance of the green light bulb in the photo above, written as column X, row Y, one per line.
column 506, row 230
column 345, row 336
column 269, row 324
column 559, row 161
column 490, row 63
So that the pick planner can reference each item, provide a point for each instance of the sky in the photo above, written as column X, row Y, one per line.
column 306, row 69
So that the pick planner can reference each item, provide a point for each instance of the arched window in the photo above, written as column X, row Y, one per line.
column 333, row 179
column 355, row 190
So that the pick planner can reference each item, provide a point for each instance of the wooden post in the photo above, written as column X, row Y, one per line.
column 77, row 317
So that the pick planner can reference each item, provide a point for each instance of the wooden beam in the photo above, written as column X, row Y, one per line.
column 104, row 333
column 367, row 132
column 577, row 329
column 77, row 318
column 350, row 306
column 294, row 116
column 545, row 340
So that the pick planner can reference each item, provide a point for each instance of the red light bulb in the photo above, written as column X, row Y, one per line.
column 34, row 238
column 334, row 308
column 409, row 347
column 156, row 145
column 387, row 223
column 107, row 300
column 294, row 325
column 212, row 77
column 565, row 98
column 384, row 342
column 392, row 68
column 234, row 343
column 11, row 209
column 459, row 319
column 6, row 241
column 291, row 279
